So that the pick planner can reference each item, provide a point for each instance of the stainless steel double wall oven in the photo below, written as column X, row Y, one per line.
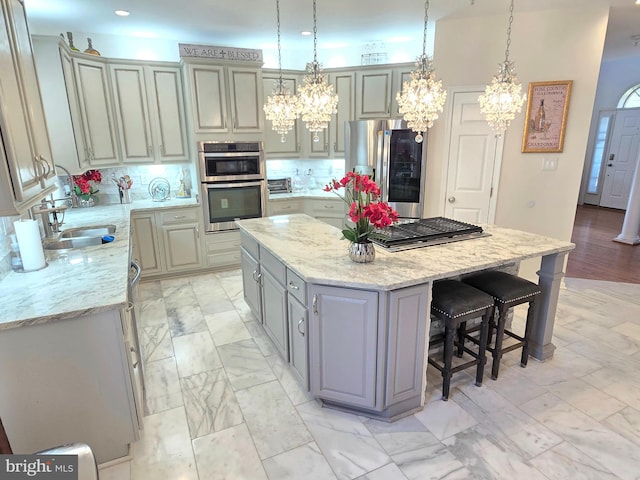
column 233, row 183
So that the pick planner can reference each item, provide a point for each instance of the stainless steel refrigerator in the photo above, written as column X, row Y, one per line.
column 387, row 151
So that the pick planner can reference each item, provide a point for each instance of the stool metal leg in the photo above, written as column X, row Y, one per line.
column 448, row 359
column 497, row 349
column 482, row 347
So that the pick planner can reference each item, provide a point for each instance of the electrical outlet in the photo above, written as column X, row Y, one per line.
column 550, row 163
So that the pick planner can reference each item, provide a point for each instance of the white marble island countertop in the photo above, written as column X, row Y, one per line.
column 316, row 251
column 77, row 281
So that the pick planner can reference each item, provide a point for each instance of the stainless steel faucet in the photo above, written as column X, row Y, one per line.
column 72, row 197
column 51, row 224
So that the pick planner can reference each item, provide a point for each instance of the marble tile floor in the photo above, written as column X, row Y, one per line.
column 221, row 404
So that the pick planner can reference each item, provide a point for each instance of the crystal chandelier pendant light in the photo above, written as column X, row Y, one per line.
column 422, row 98
column 281, row 107
column 503, row 97
column 315, row 97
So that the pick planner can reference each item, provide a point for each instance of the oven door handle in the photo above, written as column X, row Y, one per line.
column 233, row 184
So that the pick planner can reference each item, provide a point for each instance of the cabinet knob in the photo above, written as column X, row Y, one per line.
column 451, row 199
column 293, row 286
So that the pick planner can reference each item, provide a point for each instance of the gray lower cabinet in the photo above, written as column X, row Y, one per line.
column 274, row 312
column 251, row 282
column 366, row 348
column 298, row 340
column 343, row 345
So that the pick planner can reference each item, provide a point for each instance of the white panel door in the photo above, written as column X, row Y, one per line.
column 472, row 160
column 621, row 160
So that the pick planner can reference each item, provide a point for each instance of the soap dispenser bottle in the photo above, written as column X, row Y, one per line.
column 16, row 259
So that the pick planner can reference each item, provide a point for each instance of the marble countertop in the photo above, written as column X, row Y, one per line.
column 316, row 252
column 77, row 281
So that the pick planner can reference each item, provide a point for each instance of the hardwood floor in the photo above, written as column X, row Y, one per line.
column 597, row 256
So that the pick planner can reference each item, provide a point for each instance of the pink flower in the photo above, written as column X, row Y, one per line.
column 365, row 210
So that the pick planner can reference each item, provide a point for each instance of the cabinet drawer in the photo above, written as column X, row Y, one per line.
column 327, row 208
column 296, row 286
column 275, row 267
column 222, row 242
column 186, row 215
column 250, row 245
column 284, row 207
column 223, row 259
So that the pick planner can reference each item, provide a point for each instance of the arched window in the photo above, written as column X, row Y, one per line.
column 631, row 98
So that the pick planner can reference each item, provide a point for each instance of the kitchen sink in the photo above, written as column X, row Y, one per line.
column 76, row 242
column 90, row 231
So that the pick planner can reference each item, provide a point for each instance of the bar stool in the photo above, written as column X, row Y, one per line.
column 508, row 291
column 455, row 302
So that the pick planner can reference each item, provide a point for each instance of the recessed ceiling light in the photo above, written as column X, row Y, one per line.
column 637, row 2
column 122, row 13
column 306, row 33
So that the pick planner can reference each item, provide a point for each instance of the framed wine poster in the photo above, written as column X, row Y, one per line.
column 545, row 123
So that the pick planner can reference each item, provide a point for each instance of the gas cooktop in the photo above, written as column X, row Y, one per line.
column 427, row 231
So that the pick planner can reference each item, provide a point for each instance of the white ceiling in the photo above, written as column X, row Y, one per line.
column 341, row 23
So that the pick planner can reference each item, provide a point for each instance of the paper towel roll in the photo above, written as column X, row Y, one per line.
column 31, row 251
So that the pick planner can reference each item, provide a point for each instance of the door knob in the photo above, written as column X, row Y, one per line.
column 451, row 199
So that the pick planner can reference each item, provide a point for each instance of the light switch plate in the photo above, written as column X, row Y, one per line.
column 550, row 163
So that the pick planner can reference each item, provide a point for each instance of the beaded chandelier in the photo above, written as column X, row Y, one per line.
column 316, row 98
column 422, row 98
column 503, row 97
column 281, row 106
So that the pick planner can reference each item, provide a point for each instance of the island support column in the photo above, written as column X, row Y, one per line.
column 551, row 273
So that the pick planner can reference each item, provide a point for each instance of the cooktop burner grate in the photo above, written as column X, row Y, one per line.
column 428, row 231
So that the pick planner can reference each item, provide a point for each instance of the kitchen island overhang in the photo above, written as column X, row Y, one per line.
column 339, row 292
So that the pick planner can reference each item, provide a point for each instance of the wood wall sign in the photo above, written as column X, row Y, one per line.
column 545, row 123
column 221, row 53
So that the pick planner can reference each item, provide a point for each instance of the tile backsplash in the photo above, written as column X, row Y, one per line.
column 306, row 175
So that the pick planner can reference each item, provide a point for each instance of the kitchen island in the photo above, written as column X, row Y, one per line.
column 356, row 334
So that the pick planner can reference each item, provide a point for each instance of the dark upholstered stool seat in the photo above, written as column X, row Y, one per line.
column 508, row 291
column 455, row 302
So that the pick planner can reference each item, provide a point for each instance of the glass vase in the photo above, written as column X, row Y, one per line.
column 362, row 252
column 88, row 202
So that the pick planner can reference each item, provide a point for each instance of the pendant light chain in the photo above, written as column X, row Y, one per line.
column 279, row 48
column 315, row 34
column 506, row 53
column 424, row 34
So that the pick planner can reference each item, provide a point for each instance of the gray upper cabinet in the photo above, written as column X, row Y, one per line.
column 122, row 111
column 27, row 168
column 225, row 99
column 167, row 111
column 208, row 98
column 400, row 75
column 245, row 100
column 342, row 369
column 149, row 113
column 132, row 111
column 374, row 89
column 344, row 84
column 96, row 110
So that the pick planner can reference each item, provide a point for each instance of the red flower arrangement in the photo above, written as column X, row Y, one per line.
column 83, row 187
column 365, row 210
